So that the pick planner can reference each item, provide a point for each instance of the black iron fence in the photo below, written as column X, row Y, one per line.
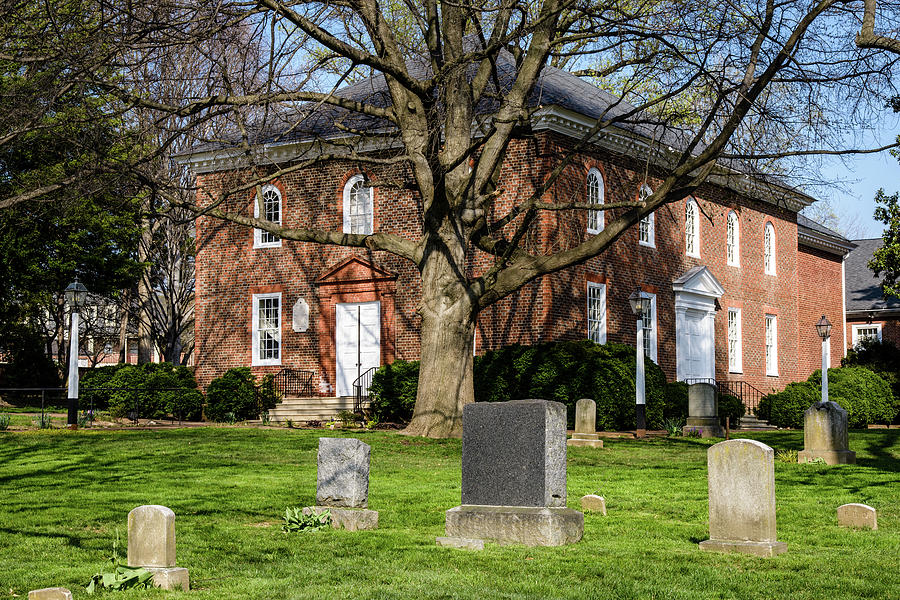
column 361, row 390
column 133, row 403
column 743, row 391
column 294, row 383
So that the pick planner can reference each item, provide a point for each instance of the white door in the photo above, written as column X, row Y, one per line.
column 357, row 342
column 697, row 346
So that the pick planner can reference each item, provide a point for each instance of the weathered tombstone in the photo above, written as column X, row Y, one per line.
column 151, row 544
column 860, row 516
column 703, row 411
column 342, row 484
column 825, row 435
column 593, row 503
column 742, row 499
column 585, row 425
column 514, row 475
column 56, row 593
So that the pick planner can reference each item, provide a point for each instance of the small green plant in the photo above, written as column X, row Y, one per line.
column 330, row 425
column 4, row 422
column 693, row 433
column 347, row 418
column 372, row 423
column 289, row 423
column 121, row 577
column 816, row 461
column 230, row 418
column 45, row 421
column 674, row 426
column 786, row 456
column 266, row 419
column 295, row 520
column 85, row 418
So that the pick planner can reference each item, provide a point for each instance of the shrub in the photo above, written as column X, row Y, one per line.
column 865, row 396
column 232, row 397
column 676, row 400
column 392, row 394
column 268, row 395
column 731, row 407
column 559, row 371
column 881, row 357
column 154, row 390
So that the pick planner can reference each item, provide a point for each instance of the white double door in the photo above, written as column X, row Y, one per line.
column 357, row 342
column 696, row 346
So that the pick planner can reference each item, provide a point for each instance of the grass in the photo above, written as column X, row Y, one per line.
column 66, row 496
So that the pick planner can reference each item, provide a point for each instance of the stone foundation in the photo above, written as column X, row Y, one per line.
column 170, row 578
column 591, row 440
column 831, row 457
column 351, row 519
column 765, row 549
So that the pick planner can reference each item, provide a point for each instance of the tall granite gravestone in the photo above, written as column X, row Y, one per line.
column 585, row 425
column 825, row 435
column 703, row 411
column 742, row 499
column 514, row 475
column 151, row 544
column 342, row 484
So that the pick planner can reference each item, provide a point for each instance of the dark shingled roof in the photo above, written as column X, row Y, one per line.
column 862, row 288
column 808, row 223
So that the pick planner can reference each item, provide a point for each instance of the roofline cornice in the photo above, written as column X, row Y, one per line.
column 826, row 243
column 872, row 313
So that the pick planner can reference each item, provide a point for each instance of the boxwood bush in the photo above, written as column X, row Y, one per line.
column 865, row 396
column 881, row 357
column 155, row 390
column 559, row 371
column 233, row 396
column 731, row 407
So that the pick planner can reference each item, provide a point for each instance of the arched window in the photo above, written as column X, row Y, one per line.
column 359, row 212
column 595, row 195
column 647, row 226
column 733, row 240
column 270, row 211
column 769, row 249
column 691, row 228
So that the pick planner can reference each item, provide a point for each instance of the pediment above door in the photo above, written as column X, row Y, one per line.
column 354, row 270
column 699, row 280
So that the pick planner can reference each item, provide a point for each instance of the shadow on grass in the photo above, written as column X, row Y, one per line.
column 878, row 446
column 71, row 540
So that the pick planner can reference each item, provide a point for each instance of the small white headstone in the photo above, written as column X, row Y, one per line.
column 860, row 516
column 300, row 316
column 593, row 503
column 57, row 593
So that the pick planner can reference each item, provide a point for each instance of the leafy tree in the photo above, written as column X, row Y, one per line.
column 886, row 260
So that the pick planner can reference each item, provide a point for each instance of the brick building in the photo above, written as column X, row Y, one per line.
column 869, row 312
column 737, row 277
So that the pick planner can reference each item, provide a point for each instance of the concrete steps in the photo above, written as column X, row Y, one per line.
column 310, row 409
column 750, row 422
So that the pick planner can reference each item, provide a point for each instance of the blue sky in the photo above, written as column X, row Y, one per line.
column 862, row 176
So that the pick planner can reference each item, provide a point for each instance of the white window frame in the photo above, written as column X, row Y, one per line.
column 596, row 294
column 855, row 337
column 771, row 344
column 733, row 240
column 692, row 228
column 262, row 238
column 769, row 252
column 255, row 360
column 369, row 225
column 595, row 218
column 735, row 341
column 648, row 223
column 650, row 336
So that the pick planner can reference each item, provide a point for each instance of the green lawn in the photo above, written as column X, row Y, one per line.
column 65, row 498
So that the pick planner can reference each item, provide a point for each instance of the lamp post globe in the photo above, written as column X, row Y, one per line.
column 76, row 295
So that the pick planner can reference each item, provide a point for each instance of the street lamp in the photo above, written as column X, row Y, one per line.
column 823, row 328
column 75, row 295
column 640, row 304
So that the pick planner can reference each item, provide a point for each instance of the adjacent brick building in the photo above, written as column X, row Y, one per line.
column 738, row 279
column 869, row 312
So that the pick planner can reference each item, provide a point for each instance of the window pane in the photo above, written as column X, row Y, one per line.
column 595, row 196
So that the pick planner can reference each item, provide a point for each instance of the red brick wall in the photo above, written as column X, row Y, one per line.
column 552, row 308
column 819, row 291
column 890, row 330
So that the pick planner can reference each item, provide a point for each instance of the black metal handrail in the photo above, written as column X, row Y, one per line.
column 294, row 383
column 743, row 391
column 361, row 389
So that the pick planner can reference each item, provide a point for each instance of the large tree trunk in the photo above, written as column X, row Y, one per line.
column 445, row 370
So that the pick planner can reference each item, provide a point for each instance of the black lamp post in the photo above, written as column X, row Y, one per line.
column 823, row 328
column 75, row 295
column 640, row 303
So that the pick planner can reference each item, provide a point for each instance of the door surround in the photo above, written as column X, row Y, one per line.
column 352, row 280
column 696, row 291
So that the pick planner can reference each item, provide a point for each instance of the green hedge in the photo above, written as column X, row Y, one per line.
column 150, row 391
column 881, row 357
column 559, row 371
column 865, row 396
column 731, row 407
column 233, row 396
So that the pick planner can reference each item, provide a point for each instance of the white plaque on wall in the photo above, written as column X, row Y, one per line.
column 301, row 316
